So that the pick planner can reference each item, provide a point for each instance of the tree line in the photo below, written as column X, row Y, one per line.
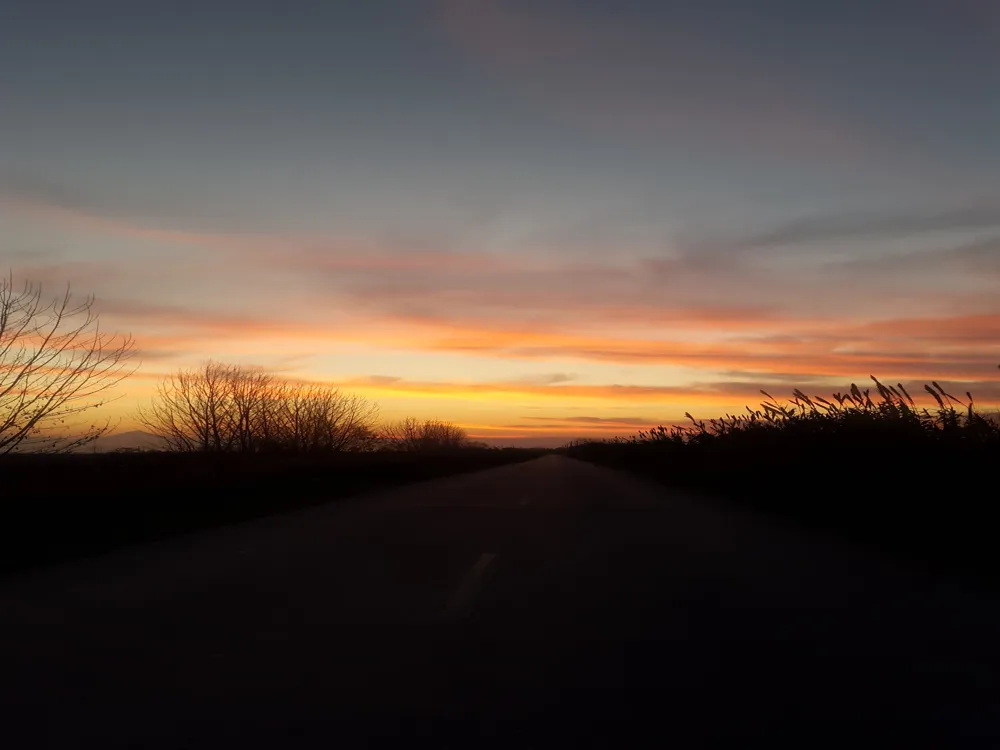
column 57, row 364
column 236, row 409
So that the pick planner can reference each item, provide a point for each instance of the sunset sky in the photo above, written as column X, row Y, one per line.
column 537, row 219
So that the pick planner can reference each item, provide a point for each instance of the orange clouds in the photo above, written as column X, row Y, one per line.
column 521, row 391
column 726, row 395
column 960, row 347
column 830, row 349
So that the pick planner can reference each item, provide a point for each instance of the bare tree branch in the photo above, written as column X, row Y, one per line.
column 55, row 364
column 411, row 434
column 229, row 408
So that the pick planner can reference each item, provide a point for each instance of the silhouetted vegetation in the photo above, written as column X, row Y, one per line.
column 222, row 408
column 62, row 507
column 414, row 435
column 55, row 365
column 873, row 464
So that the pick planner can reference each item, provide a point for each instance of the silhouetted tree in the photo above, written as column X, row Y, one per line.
column 230, row 408
column 412, row 434
column 319, row 418
column 192, row 409
column 55, row 364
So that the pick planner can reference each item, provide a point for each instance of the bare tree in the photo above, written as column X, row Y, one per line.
column 55, row 365
column 412, row 434
column 320, row 418
column 209, row 409
column 230, row 408
column 248, row 396
column 181, row 412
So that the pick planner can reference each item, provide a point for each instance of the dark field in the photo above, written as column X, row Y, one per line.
column 58, row 508
column 909, row 483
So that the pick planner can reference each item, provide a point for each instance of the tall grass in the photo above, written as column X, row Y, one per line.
column 873, row 463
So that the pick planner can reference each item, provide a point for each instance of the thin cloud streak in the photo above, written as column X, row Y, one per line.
column 841, row 227
column 597, row 421
column 704, row 396
column 292, row 253
column 717, row 291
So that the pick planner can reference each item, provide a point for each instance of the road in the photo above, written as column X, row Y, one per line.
column 539, row 604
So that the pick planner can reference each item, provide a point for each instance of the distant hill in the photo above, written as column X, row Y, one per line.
column 132, row 440
column 141, row 440
column 540, row 441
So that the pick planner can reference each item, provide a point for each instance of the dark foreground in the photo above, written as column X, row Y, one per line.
column 65, row 507
column 549, row 603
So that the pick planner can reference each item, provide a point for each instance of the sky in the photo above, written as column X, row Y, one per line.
column 537, row 219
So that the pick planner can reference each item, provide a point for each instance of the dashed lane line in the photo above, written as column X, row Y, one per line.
column 462, row 598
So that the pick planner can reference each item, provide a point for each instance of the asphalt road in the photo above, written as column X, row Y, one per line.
column 551, row 603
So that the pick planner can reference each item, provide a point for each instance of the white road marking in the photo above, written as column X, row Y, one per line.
column 460, row 602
